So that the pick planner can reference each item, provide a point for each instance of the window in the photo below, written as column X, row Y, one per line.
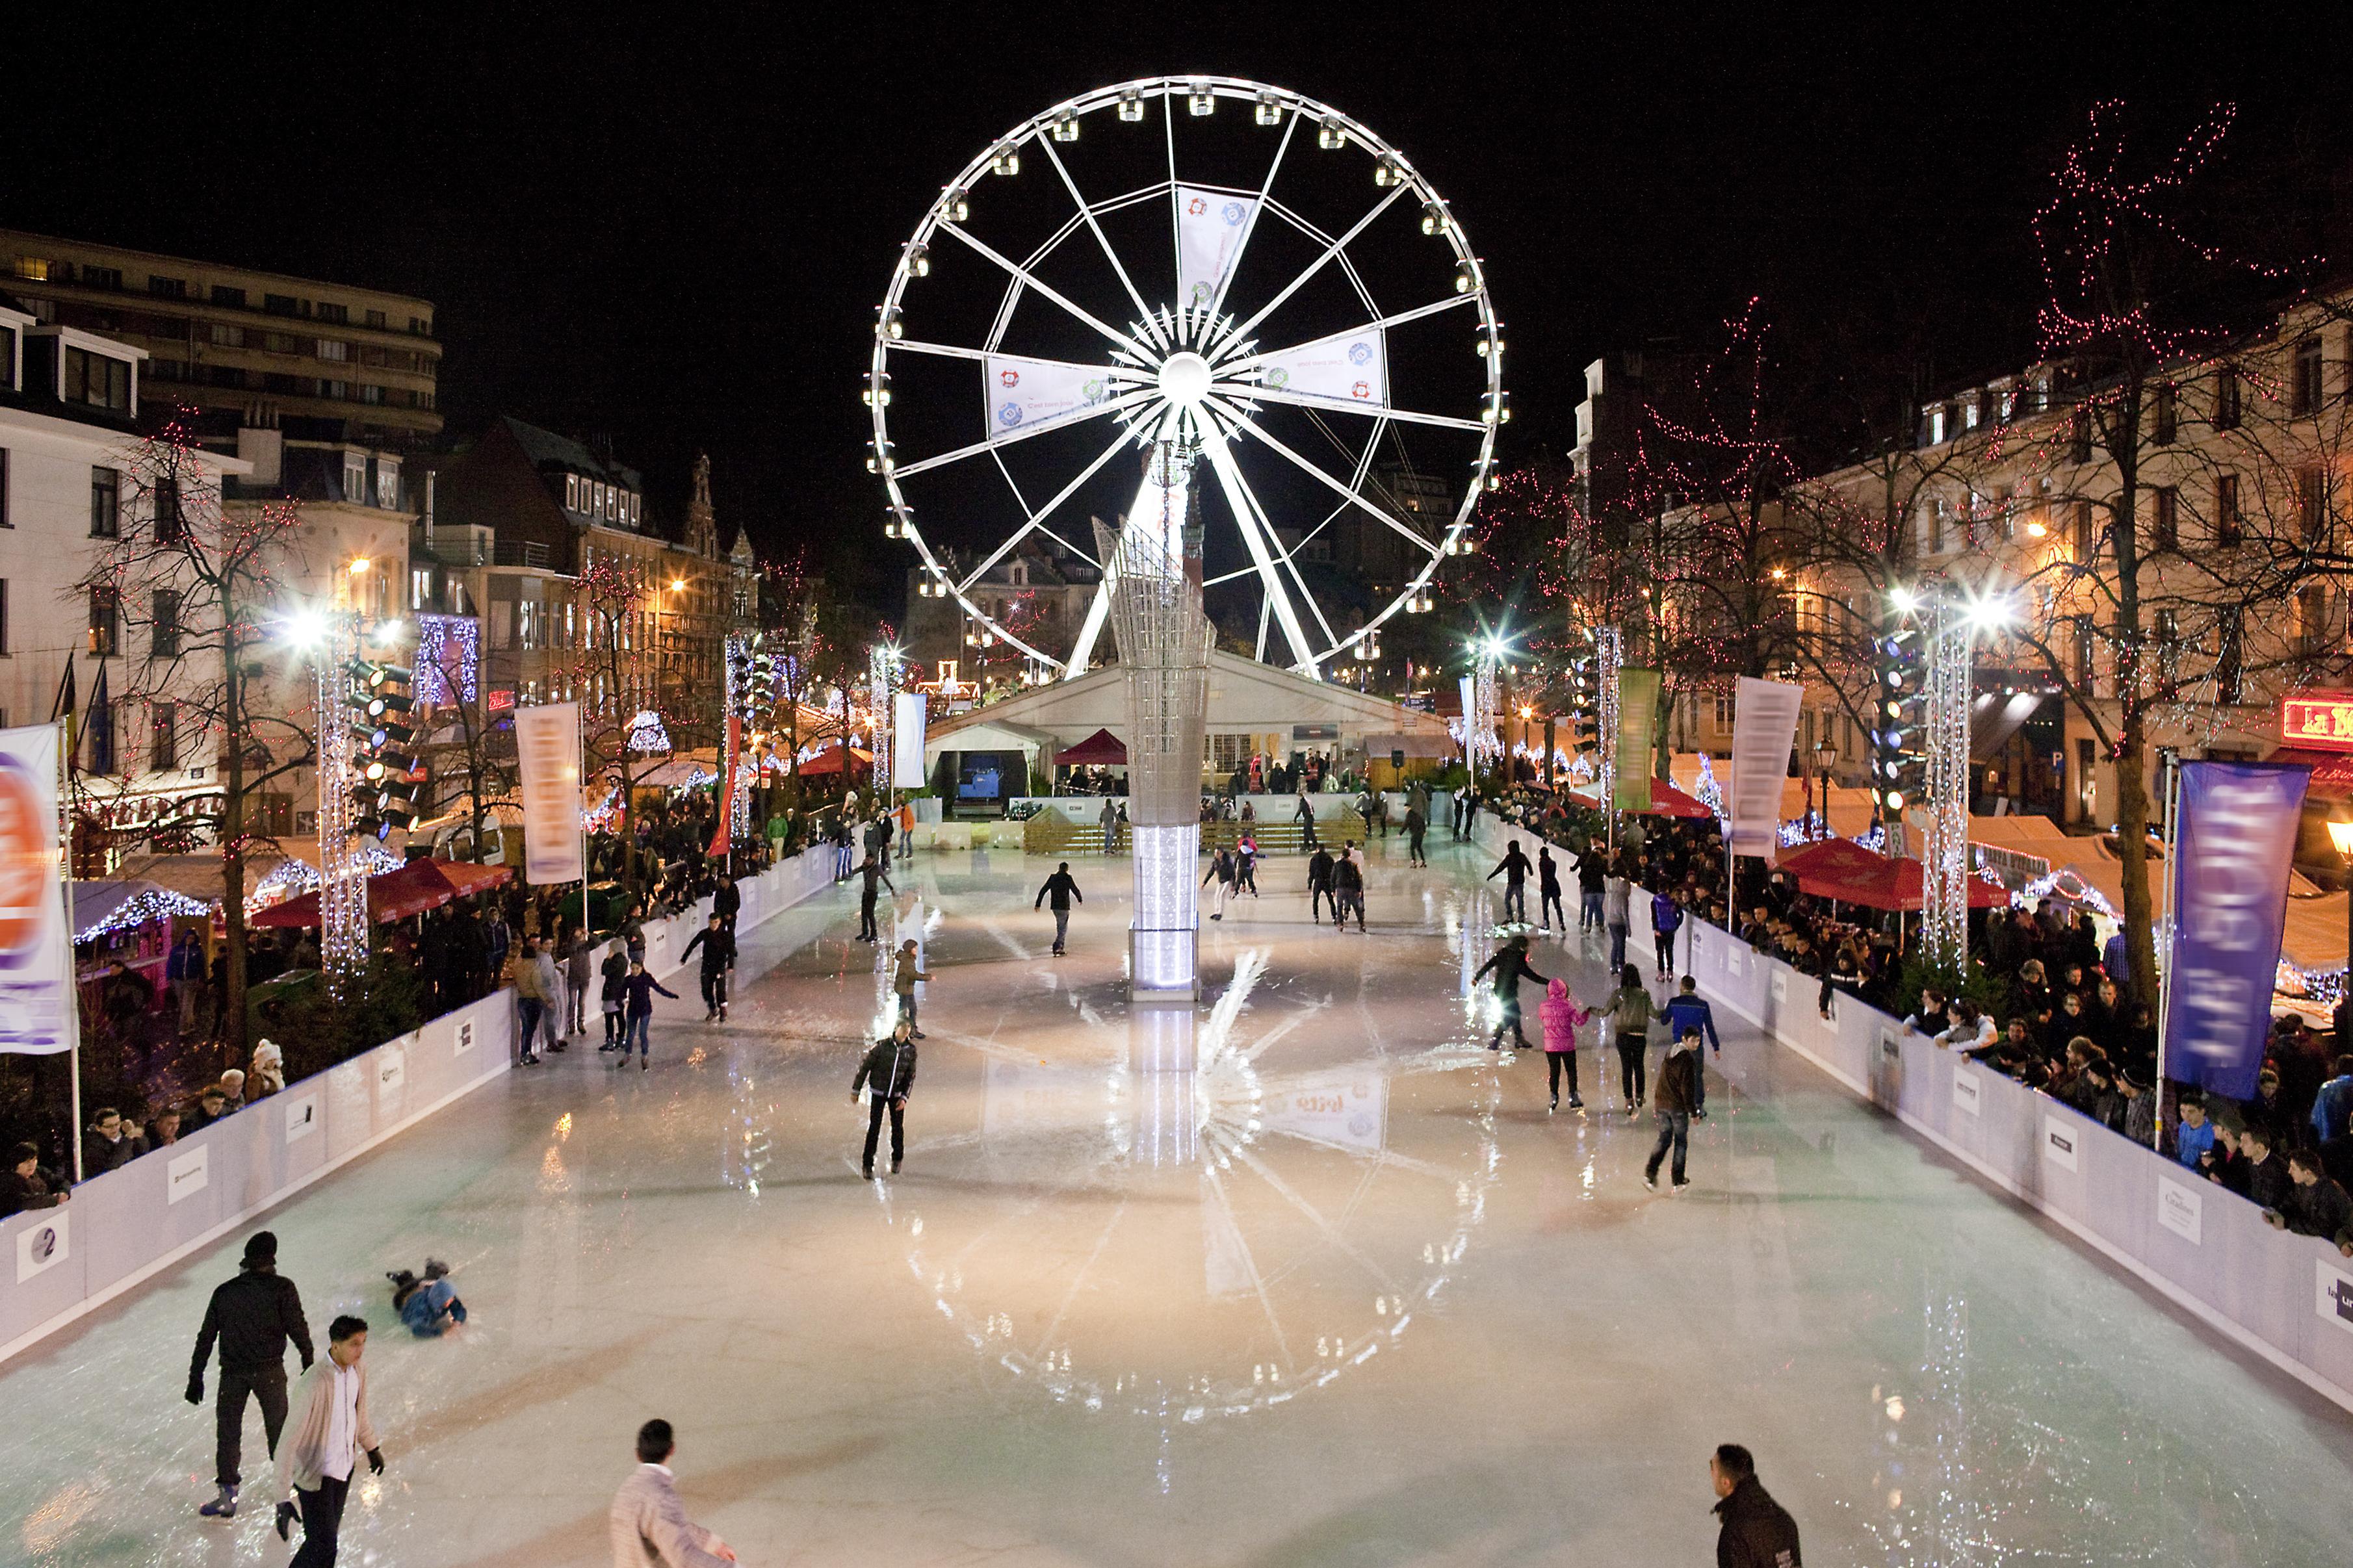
column 98, row 380
column 2162, row 415
column 334, row 348
column 387, row 484
column 105, row 504
column 33, row 268
column 2164, row 518
column 1937, row 425
column 420, row 588
column 105, row 622
column 1932, row 526
column 164, row 624
column 108, row 278
column 232, row 298
column 98, row 729
column 163, row 737
column 376, row 318
column 2226, row 399
column 2086, row 666
column 420, row 326
column 167, row 370
column 169, row 522
column 2168, row 649
column 338, row 390
column 2229, row 655
column 2229, row 527
column 1724, row 715
column 340, row 314
column 227, row 335
column 164, row 287
column 2311, row 619
column 281, row 305
column 225, row 375
column 277, row 342
column 2311, row 503
column 2079, row 528
column 356, row 485
column 7, row 359
column 2304, row 392
column 1970, row 413
column 283, row 384
column 572, row 492
column 371, row 394
column 2079, row 436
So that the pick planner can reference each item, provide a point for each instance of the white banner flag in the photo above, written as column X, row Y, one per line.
column 1209, row 229
column 1022, row 394
column 37, row 980
column 907, row 737
column 1764, row 727
column 1351, row 367
column 547, row 745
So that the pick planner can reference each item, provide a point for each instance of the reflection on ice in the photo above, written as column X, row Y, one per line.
column 1217, row 1219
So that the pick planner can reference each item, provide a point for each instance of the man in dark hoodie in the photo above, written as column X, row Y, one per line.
column 1510, row 966
column 1757, row 1532
column 887, row 1071
column 252, row 1316
column 1319, row 886
column 717, row 941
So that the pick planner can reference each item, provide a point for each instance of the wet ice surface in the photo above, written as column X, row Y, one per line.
column 1345, row 1295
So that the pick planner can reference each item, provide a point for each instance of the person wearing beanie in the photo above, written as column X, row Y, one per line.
column 252, row 1317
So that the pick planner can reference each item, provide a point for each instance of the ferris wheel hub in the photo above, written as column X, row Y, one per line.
column 1185, row 379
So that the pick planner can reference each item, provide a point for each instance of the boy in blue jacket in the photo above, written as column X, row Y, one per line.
column 1688, row 1010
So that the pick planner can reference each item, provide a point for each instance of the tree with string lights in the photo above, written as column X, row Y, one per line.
column 200, row 592
column 614, row 678
column 476, row 769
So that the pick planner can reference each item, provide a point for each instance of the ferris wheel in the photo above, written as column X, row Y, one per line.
column 1207, row 268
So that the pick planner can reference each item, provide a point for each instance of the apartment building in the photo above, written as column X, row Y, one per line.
column 244, row 347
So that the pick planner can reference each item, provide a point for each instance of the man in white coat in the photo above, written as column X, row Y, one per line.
column 650, row 1529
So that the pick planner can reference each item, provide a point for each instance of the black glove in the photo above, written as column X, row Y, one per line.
column 306, row 1363
column 375, row 1461
column 195, row 1390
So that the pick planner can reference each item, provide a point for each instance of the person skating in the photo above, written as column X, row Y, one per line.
column 1677, row 1074
column 1592, row 871
column 1062, row 889
column 637, row 989
column 1617, row 912
column 1514, row 869
column 1510, row 964
column 1305, row 817
column 718, row 945
column 1246, row 865
column 326, row 1445
column 1756, row 1531
column 1349, row 887
column 615, row 972
column 648, row 1522
column 1108, row 820
column 905, row 969
column 428, row 1306
column 1549, row 905
column 1416, row 827
column 1666, row 919
column 870, row 872
column 537, row 954
column 888, row 1074
column 1562, row 1015
column 579, row 969
column 1630, row 1031
column 1221, row 873
column 1319, row 886
column 1688, row 1009
column 727, row 903
column 252, row 1316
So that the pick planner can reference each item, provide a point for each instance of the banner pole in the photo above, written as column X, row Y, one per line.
column 2165, row 966
column 73, row 980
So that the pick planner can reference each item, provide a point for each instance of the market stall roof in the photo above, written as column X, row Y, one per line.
column 1842, row 870
column 97, row 903
column 468, row 878
column 830, row 759
column 678, row 771
column 395, row 895
column 1666, row 799
column 1101, row 749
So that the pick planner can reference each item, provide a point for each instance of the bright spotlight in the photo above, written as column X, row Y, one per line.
column 304, row 628
column 1905, row 600
column 1988, row 613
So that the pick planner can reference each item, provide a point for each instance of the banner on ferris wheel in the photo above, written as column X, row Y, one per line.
column 1209, row 229
column 1346, row 367
column 1020, row 394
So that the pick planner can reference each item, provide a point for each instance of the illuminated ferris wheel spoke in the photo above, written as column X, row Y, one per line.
column 1258, row 393
column 1261, row 546
column 1035, row 518
column 1250, row 223
column 1079, row 1279
column 1428, row 546
column 991, row 443
column 1031, row 281
column 1237, row 366
column 1216, row 1198
column 1241, row 333
column 1324, row 1227
column 1143, row 311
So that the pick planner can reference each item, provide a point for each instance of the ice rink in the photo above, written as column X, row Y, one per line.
column 1347, row 1295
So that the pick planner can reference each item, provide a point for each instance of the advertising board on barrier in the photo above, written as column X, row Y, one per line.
column 2181, row 1210
column 2058, row 1140
column 1965, row 1090
column 303, row 1117
column 45, row 1245
column 2333, row 1300
column 462, row 1041
column 187, row 1176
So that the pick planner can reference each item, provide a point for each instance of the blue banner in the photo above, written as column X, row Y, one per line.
column 2233, row 847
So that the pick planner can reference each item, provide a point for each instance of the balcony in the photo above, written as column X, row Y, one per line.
column 523, row 552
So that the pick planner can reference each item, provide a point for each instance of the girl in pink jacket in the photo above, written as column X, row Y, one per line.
column 1563, row 1015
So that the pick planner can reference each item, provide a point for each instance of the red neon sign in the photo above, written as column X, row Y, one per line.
column 2323, row 719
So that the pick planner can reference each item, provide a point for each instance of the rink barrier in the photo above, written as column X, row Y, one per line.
column 2287, row 1297
column 121, row 1229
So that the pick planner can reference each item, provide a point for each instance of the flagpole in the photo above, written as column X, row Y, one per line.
column 73, row 980
column 2165, row 966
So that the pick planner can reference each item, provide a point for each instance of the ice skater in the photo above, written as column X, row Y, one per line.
column 1666, row 919
column 1514, row 869
column 888, row 1073
column 648, row 1522
column 1676, row 1076
column 1562, row 1015
column 1349, row 887
column 1416, row 827
column 1510, row 964
column 252, row 1316
column 1549, row 905
column 718, row 945
column 1062, row 888
column 1687, row 1010
column 328, row 1441
column 905, row 969
column 1629, row 1030
column 870, row 871
column 615, row 972
column 637, row 1021
column 1319, row 884
column 1221, row 872
column 429, row 1306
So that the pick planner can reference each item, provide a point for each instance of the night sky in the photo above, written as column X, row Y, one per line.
column 675, row 233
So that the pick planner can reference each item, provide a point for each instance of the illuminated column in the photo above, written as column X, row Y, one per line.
column 1609, row 658
column 883, row 689
column 343, row 881
column 1163, row 650
column 1944, row 849
column 1484, row 736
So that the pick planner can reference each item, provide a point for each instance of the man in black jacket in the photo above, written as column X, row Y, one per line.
column 1548, row 891
column 1758, row 1533
column 1319, row 886
column 1510, row 966
column 889, row 1072
column 252, row 1316
column 870, row 872
column 718, row 945
column 727, row 903
column 1062, row 889
column 1514, row 869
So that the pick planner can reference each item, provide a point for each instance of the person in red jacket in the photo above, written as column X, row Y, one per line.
column 1562, row 1014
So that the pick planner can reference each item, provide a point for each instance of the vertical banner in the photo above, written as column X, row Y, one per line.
column 1638, row 721
column 1469, row 689
column 2233, row 843
column 1210, row 225
column 37, row 985
column 547, row 745
column 1764, row 728
column 907, row 741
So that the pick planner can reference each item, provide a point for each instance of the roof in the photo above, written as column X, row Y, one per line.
column 546, row 447
column 1243, row 692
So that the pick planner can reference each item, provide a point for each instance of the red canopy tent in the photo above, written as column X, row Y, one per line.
column 394, row 895
column 1841, row 869
column 830, row 759
column 1100, row 750
column 1666, row 799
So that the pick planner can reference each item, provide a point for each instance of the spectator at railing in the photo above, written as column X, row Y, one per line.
column 110, row 1143
column 25, row 1185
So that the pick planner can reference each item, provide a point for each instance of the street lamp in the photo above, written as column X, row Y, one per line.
column 2340, row 833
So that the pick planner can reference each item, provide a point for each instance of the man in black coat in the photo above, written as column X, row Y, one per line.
column 870, row 872
column 1062, row 889
column 1319, row 886
column 1758, row 1533
column 727, row 903
column 252, row 1316
column 718, row 945
column 889, row 1072
column 1510, row 966
column 1514, row 869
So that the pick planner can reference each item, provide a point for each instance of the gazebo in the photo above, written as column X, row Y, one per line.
column 1100, row 750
